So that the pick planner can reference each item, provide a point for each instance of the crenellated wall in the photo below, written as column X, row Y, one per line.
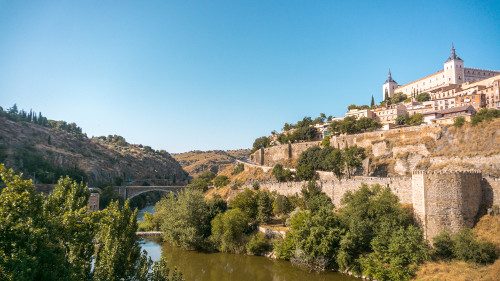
column 440, row 199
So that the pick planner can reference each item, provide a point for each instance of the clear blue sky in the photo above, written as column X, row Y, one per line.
column 185, row 75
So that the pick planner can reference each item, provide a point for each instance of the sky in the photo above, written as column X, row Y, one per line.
column 204, row 75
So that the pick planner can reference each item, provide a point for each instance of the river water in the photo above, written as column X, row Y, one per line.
column 199, row 266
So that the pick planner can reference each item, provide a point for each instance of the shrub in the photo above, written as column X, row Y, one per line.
column 228, row 231
column 305, row 172
column 326, row 141
column 467, row 248
column 459, row 121
column 282, row 205
column 423, row 97
column 238, row 169
column 258, row 244
column 246, row 201
column 281, row 174
column 221, row 181
column 256, row 185
column 443, row 245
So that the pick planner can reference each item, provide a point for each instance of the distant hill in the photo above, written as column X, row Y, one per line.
column 48, row 152
column 195, row 162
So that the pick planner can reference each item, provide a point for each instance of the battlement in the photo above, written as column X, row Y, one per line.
column 441, row 172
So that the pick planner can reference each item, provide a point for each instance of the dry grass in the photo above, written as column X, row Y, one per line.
column 487, row 229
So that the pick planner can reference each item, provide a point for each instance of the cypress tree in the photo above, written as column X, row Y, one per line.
column 372, row 104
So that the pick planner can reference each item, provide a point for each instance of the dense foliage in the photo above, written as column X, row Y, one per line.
column 423, row 97
column 351, row 125
column 259, row 143
column 415, row 120
column 55, row 238
column 203, row 181
column 342, row 162
column 281, row 174
column 464, row 246
column 485, row 114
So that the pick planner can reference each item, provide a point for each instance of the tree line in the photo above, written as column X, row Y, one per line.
column 14, row 114
column 370, row 234
column 54, row 237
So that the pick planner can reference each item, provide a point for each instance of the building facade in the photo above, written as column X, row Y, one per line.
column 454, row 74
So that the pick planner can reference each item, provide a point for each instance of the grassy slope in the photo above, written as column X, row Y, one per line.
column 487, row 229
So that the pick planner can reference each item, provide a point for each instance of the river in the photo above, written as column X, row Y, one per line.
column 199, row 266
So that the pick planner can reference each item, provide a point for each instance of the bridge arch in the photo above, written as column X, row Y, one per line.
column 151, row 190
column 129, row 192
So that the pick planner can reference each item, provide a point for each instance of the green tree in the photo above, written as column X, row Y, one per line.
column 185, row 219
column 334, row 162
column 282, row 205
column 325, row 142
column 423, row 97
column 246, row 201
column 403, row 120
column 353, row 156
column 109, row 195
column 372, row 104
column 416, row 119
column 259, row 143
column 281, row 174
column 398, row 97
column 484, row 115
column 305, row 172
column 258, row 244
column 264, row 207
column 221, row 181
column 228, row 231
column 459, row 121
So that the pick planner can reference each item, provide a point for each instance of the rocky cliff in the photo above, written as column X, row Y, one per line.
column 30, row 148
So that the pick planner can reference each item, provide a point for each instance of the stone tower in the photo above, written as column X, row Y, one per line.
column 389, row 86
column 454, row 68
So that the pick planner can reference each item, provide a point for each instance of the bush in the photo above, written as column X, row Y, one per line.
column 485, row 114
column 459, row 121
column 306, row 172
column 325, row 142
column 467, row 248
column 240, row 168
column 258, row 244
column 443, row 245
column 228, row 231
column 256, row 185
column 246, row 201
column 221, row 181
column 282, row 205
column 281, row 174
column 423, row 97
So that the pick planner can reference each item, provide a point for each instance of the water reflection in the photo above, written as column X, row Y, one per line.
column 219, row 266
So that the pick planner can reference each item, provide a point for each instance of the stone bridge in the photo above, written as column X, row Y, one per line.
column 129, row 192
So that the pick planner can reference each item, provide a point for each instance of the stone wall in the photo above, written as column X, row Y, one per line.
column 446, row 199
column 285, row 153
column 335, row 189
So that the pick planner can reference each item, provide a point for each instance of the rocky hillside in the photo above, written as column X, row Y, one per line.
column 49, row 153
column 195, row 162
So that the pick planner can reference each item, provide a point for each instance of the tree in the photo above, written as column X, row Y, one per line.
column 259, row 143
column 264, row 207
column 423, row 97
column 305, row 172
column 281, row 174
column 334, row 162
column 398, row 97
column 228, row 231
column 386, row 96
column 282, row 205
column 325, row 142
column 109, row 195
column 459, row 121
column 246, row 201
column 372, row 104
column 416, row 119
column 353, row 156
column 403, row 120
column 185, row 219
column 221, row 181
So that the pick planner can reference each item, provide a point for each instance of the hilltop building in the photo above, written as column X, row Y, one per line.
column 453, row 75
